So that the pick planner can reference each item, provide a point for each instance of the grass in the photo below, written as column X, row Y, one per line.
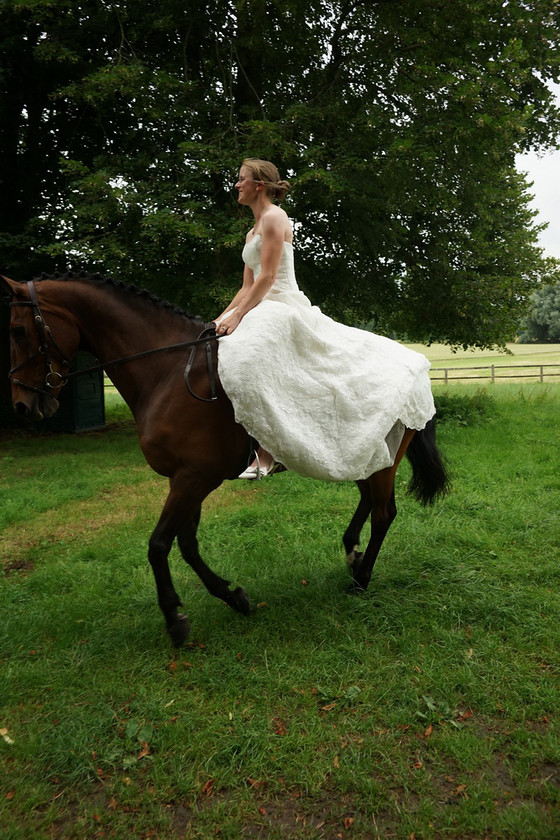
column 427, row 708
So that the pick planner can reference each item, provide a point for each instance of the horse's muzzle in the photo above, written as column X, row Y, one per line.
column 37, row 408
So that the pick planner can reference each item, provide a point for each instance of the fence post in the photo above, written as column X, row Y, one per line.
column 493, row 377
column 542, row 374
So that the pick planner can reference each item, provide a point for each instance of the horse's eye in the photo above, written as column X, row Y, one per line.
column 18, row 332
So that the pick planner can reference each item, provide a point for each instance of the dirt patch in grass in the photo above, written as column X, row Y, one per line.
column 326, row 817
column 110, row 508
column 295, row 815
column 547, row 772
column 20, row 567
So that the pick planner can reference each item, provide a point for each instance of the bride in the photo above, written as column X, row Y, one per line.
column 323, row 399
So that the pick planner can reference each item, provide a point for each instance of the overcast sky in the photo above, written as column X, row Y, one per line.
column 544, row 171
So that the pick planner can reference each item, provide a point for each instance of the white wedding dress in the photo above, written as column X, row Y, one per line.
column 326, row 400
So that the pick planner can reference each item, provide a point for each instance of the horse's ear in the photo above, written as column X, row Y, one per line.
column 11, row 287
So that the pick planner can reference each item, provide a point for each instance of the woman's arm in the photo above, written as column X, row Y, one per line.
column 246, row 285
column 273, row 229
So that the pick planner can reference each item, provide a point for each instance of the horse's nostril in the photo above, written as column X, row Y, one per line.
column 21, row 409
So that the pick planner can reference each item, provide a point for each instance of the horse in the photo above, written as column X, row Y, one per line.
column 185, row 422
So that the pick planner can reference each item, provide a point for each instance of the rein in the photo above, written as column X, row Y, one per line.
column 206, row 336
column 54, row 379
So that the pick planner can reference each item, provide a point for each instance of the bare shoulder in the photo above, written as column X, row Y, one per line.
column 276, row 221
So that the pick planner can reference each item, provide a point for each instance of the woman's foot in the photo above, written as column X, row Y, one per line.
column 259, row 470
column 251, row 472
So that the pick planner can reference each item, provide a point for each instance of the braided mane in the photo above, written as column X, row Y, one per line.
column 119, row 286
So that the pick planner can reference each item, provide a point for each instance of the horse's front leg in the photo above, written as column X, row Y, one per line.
column 179, row 519
column 216, row 585
column 159, row 546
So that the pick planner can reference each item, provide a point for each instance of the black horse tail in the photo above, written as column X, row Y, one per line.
column 429, row 477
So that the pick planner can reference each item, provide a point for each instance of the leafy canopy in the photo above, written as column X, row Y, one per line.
column 124, row 124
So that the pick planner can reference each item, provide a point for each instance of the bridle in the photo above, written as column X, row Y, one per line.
column 54, row 379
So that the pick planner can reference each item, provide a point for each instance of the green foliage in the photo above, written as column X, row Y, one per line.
column 464, row 409
column 543, row 323
column 123, row 127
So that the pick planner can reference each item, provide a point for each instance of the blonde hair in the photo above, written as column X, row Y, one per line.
column 265, row 172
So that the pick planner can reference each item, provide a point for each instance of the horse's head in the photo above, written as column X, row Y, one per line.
column 42, row 344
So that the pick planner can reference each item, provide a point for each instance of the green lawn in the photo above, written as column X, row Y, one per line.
column 427, row 708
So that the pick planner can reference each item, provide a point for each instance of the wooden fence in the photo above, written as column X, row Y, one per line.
column 493, row 373
column 488, row 373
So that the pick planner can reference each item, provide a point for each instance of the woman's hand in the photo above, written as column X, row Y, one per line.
column 229, row 324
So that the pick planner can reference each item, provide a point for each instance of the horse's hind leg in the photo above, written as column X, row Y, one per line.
column 351, row 538
column 381, row 487
column 383, row 513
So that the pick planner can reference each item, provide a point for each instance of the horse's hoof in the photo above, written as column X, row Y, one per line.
column 355, row 588
column 240, row 601
column 180, row 629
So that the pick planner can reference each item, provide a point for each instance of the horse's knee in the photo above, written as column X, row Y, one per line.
column 158, row 548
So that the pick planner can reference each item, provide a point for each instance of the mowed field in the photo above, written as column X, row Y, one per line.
column 441, row 354
column 427, row 709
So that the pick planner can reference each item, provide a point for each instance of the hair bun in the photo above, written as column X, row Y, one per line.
column 282, row 189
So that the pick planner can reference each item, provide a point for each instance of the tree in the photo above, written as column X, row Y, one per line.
column 543, row 322
column 397, row 122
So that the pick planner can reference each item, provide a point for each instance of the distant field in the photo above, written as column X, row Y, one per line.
column 520, row 356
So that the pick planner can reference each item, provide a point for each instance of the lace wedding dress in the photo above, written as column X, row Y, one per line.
column 326, row 400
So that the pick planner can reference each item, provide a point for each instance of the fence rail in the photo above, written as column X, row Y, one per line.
column 495, row 372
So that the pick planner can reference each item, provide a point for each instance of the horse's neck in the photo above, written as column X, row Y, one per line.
column 113, row 329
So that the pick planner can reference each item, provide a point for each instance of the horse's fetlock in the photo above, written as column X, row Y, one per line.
column 239, row 601
column 354, row 558
column 179, row 630
column 169, row 605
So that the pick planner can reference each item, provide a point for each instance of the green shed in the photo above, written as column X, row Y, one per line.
column 82, row 400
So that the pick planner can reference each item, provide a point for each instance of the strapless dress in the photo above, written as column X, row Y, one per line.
column 326, row 400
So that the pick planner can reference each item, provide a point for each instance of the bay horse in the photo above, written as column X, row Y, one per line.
column 144, row 345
